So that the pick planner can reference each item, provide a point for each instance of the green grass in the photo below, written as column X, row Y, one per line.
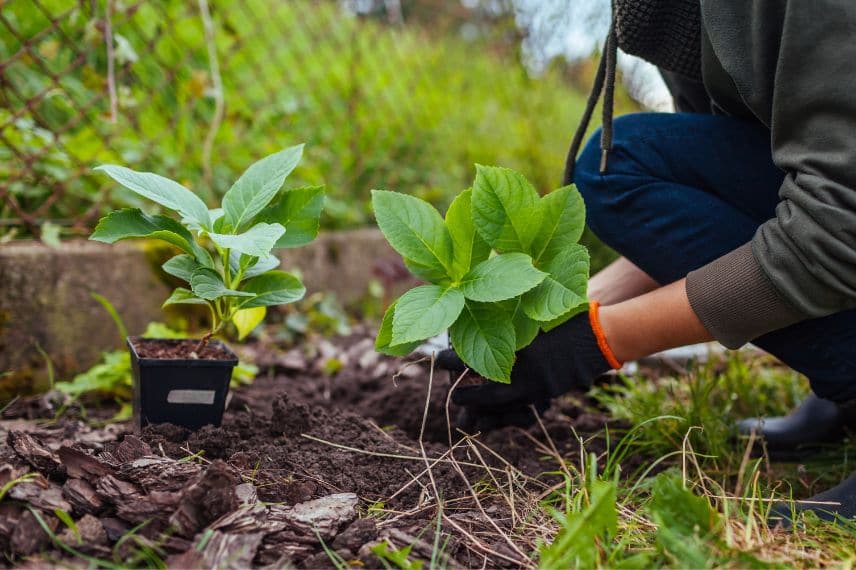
column 677, row 489
column 707, row 505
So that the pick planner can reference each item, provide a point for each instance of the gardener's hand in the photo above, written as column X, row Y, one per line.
column 570, row 356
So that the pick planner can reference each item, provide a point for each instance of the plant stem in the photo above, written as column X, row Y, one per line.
column 203, row 342
column 216, row 324
column 227, row 269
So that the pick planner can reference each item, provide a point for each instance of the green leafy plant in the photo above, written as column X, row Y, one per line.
column 504, row 264
column 577, row 542
column 686, row 523
column 240, row 280
column 396, row 557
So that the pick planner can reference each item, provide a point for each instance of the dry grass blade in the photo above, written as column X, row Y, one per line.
column 387, row 455
column 524, row 560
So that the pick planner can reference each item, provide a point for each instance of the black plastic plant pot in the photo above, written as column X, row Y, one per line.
column 189, row 392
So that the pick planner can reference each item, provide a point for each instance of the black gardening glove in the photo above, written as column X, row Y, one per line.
column 563, row 359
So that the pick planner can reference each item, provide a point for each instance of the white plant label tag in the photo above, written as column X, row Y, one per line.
column 190, row 397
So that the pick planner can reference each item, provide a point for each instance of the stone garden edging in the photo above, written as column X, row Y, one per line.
column 46, row 303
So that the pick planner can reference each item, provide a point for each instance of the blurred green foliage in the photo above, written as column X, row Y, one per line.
column 409, row 107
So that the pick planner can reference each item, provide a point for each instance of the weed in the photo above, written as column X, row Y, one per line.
column 392, row 557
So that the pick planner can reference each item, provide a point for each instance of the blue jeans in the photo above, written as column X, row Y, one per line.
column 684, row 189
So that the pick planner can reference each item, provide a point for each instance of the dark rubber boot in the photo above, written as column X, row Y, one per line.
column 835, row 504
column 805, row 430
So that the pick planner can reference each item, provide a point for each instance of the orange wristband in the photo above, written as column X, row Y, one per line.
column 594, row 319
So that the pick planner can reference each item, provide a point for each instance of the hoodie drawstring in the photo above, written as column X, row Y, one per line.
column 604, row 83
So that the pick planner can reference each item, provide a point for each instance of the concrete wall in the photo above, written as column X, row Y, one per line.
column 45, row 296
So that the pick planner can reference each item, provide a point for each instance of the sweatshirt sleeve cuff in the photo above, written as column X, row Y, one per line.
column 736, row 301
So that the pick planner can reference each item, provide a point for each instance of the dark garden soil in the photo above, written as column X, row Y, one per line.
column 175, row 349
column 305, row 460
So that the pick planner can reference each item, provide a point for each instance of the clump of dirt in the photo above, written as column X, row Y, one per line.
column 180, row 349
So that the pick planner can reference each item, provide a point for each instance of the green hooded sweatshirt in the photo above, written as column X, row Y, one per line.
column 790, row 64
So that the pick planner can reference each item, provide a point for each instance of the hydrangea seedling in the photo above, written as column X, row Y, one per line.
column 241, row 279
column 503, row 265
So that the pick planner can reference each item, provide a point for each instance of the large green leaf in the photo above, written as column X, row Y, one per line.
column 431, row 274
column 468, row 247
column 273, row 288
column 525, row 329
column 564, row 288
column 134, row 223
column 384, row 336
column 161, row 190
column 563, row 219
column 414, row 229
column 505, row 208
column 181, row 266
column 299, row 211
column 256, row 241
column 182, row 296
column 258, row 185
column 215, row 215
column 424, row 312
column 501, row 277
column 483, row 337
column 208, row 284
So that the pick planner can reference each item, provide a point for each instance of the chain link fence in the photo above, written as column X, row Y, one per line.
column 405, row 96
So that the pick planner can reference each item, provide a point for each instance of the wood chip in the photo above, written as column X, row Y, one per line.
column 91, row 533
column 82, row 496
column 9, row 472
column 246, row 494
column 80, row 464
column 35, row 453
column 324, row 516
column 157, row 505
column 155, row 473
column 358, row 533
column 28, row 537
column 10, row 514
column 96, row 438
column 41, row 494
column 288, row 546
column 132, row 448
column 220, row 550
column 206, row 499
column 247, row 518
column 114, row 527
column 115, row 491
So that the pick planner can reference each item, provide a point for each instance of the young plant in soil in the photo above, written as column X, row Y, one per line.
column 503, row 265
column 225, row 257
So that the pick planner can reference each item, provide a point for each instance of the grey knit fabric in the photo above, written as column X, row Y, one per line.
column 666, row 33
